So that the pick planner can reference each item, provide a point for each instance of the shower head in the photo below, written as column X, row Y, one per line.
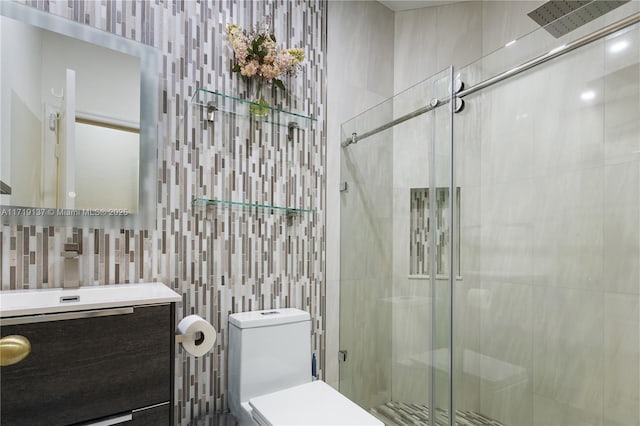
column 560, row 17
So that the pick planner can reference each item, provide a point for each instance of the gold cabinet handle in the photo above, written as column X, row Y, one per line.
column 13, row 349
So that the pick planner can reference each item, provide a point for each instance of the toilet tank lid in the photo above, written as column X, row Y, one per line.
column 268, row 317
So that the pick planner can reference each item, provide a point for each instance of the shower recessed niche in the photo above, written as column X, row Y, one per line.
column 420, row 230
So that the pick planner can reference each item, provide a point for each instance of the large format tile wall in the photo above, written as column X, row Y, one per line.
column 219, row 261
column 360, row 75
column 427, row 30
column 550, row 280
column 559, row 242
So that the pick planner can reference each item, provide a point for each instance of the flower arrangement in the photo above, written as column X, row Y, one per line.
column 258, row 56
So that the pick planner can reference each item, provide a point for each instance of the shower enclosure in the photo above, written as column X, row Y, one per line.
column 490, row 238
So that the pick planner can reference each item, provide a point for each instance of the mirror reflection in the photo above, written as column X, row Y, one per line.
column 70, row 111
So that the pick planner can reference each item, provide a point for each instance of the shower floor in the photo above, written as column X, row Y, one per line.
column 401, row 414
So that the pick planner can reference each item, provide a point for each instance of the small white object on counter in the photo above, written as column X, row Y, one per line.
column 45, row 301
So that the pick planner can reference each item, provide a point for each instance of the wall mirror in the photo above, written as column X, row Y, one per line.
column 78, row 134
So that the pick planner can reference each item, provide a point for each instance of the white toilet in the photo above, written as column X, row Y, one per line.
column 270, row 374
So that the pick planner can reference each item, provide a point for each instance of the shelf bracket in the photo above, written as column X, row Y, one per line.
column 211, row 111
column 292, row 126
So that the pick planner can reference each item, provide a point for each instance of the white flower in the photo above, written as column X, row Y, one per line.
column 241, row 53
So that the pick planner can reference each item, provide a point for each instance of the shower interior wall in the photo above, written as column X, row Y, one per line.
column 379, row 60
column 366, row 71
column 360, row 75
column 601, row 395
column 553, row 242
column 483, row 28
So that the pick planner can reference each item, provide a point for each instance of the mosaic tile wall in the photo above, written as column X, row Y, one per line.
column 220, row 260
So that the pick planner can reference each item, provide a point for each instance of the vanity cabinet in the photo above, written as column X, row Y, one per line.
column 102, row 366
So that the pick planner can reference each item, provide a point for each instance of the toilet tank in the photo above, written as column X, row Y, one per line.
column 269, row 350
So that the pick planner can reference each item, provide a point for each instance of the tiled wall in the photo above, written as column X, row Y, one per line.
column 549, row 216
column 360, row 75
column 427, row 29
column 360, row 71
column 224, row 260
column 558, row 239
column 549, row 223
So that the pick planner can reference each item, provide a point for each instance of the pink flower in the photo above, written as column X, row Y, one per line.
column 257, row 54
column 270, row 71
column 250, row 69
column 284, row 60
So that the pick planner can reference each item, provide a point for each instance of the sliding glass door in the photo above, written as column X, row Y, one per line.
column 395, row 249
column 546, row 314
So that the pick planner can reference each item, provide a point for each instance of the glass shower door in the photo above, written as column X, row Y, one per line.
column 395, row 244
column 547, row 318
column 519, row 245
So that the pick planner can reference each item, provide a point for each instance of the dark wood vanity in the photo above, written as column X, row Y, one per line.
column 98, row 366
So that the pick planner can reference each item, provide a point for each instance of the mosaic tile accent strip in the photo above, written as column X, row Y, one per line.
column 420, row 228
column 418, row 239
column 221, row 260
column 403, row 414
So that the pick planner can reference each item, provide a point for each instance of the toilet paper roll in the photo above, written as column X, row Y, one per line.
column 199, row 344
column 479, row 298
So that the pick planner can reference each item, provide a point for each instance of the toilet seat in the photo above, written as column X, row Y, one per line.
column 314, row 403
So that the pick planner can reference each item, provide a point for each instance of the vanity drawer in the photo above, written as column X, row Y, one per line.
column 156, row 416
column 86, row 368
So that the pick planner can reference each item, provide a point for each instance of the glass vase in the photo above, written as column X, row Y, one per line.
column 259, row 107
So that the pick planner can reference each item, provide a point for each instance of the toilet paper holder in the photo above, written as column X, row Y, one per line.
column 197, row 337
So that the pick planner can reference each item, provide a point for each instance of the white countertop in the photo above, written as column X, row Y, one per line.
column 44, row 301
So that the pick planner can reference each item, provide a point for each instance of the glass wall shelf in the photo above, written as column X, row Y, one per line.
column 219, row 102
column 204, row 202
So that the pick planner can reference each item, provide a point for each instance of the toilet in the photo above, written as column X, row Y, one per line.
column 270, row 381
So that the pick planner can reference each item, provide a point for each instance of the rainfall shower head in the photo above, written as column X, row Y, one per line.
column 560, row 17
